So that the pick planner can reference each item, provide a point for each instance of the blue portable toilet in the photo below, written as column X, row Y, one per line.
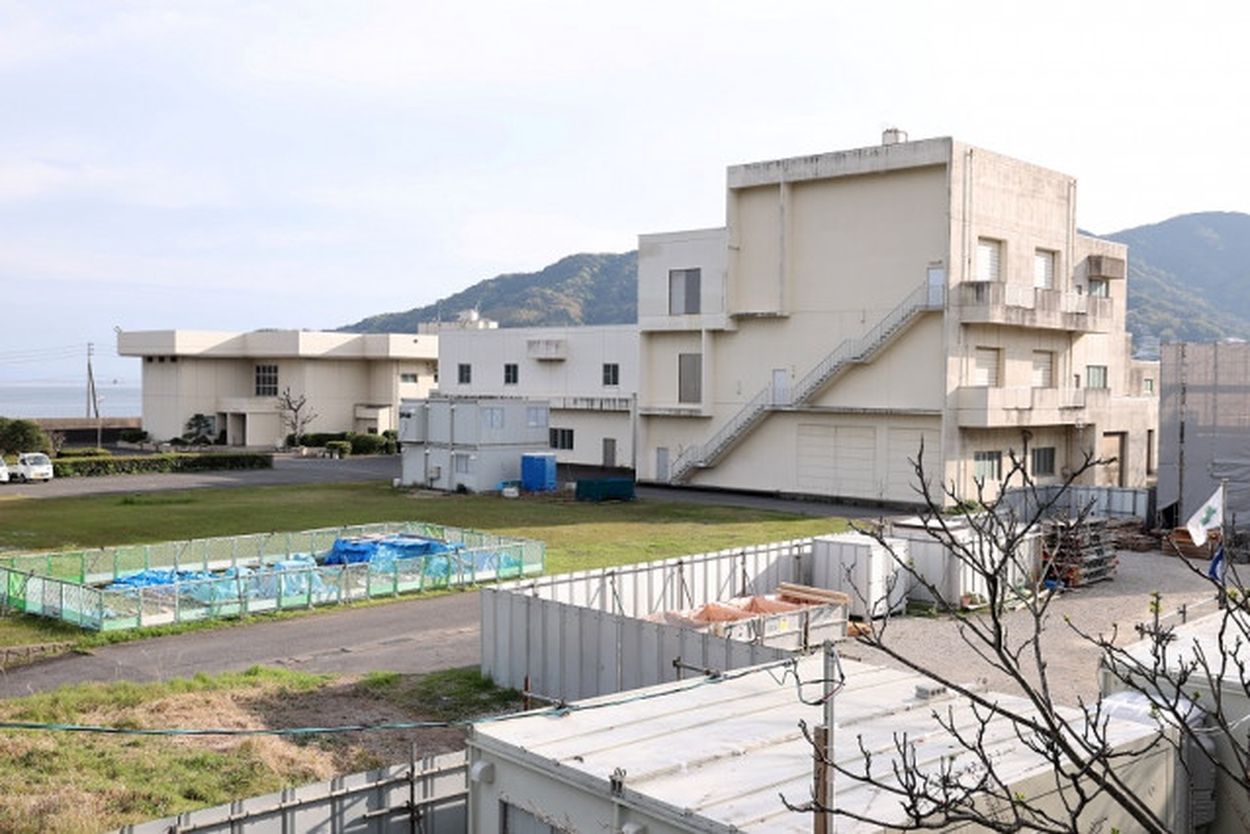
column 538, row 472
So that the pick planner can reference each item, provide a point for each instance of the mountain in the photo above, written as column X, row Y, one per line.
column 579, row 289
column 1189, row 277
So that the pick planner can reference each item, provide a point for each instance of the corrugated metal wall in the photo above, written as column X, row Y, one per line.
column 428, row 795
column 583, row 634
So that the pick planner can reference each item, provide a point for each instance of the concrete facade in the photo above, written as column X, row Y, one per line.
column 353, row 382
column 469, row 444
column 589, row 375
column 858, row 303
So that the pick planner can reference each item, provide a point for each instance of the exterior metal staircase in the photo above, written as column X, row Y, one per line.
column 856, row 350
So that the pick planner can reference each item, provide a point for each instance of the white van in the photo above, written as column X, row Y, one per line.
column 4, row 472
column 33, row 466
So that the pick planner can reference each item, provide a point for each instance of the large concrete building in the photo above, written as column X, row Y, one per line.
column 588, row 375
column 858, row 303
column 353, row 382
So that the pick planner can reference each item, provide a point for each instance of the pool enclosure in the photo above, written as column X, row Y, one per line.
column 135, row 586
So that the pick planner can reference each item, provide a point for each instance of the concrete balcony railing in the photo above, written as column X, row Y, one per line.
column 992, row 408
column 997, row 302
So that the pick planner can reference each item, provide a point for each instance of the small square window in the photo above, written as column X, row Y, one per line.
column 464, row 373
column 536, row 416
column 492, row 417
column 611, row 374
column 1148, row 385
column 561, row 438
column 461, row 464
column 266, row 380
column 408, row 378
column 1095, row 376
column 1044, row 269
column 510, row 373
column 987, row 466
column 1099, row 288
column 683, row 291
column 1043, row 461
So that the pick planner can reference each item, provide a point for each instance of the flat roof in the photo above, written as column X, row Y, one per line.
column 722, row 753
column 1205, row 635
column 276, row 344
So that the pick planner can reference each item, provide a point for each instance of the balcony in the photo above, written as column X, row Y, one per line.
column 547, row 350
column 997, row 408
column 997, row 302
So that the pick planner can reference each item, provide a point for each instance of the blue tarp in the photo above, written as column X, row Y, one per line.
column 354, row 550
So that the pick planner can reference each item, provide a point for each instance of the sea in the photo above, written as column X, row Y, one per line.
column 24, row 400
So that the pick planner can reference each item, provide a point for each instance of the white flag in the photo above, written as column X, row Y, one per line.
column 1210, row 516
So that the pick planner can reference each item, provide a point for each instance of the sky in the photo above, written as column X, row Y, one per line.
column 235, row 165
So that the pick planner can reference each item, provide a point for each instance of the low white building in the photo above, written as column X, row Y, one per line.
column 469, row 444
column 589, row 375
column 352, row 381
column 719, row 756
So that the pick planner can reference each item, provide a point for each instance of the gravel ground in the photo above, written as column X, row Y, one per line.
column 1072, row 663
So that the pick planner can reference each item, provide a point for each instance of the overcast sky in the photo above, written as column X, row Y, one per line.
column 230, row 166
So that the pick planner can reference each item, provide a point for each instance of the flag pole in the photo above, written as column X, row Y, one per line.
column 1223, row 599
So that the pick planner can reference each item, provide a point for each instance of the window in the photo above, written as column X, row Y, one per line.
column 266, row 380
column 561, row 438
column 989, row 259
column 536, row 416
column 1043, row 461
column 1044, row 269
column 510, row 373
column 149, row 359
column 985, row 367
column 464, row 373
column 689, row 377
column 683, row 291
column 611, row 374
column 1099, row 288
column 492, row 417
column 408, row 378
column 460, row 463
column 1148, row 385
column 1095, row 376
column 1043, row 369
column 515, row 820
column 987, row 466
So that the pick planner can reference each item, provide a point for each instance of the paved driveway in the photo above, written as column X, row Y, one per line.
column 286, row 470
column 419, row 635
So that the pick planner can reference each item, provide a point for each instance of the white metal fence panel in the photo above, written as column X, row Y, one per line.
column 428, row 795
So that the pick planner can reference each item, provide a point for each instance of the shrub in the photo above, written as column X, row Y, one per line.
column 342, row 448
column 391, row 434
column 133, row 436
column 134, row 464
column 391, row 447
column 83, row 452
column 316, row 439
column 366, row 444
column 23, row 436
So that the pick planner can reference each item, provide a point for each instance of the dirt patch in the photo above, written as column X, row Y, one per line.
column 311, row 757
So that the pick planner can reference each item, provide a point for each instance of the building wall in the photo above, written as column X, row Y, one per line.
column 573, row 384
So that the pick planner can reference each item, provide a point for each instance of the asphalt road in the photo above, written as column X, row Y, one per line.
column 286, row 470
column 420, row 635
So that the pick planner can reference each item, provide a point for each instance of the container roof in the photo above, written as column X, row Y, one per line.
column 721, row 754
column 1225, row 649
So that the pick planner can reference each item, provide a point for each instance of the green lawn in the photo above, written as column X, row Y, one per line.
column 578, row 535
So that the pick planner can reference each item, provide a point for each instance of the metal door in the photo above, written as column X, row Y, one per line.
column 781, row 386
column 609, row 452
column 661, row 463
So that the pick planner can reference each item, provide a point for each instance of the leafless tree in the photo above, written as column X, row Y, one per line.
column 296, row 413
column 990, row 536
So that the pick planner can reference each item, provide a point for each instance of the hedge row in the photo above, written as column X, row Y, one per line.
column 361, row 444
column 136, row 464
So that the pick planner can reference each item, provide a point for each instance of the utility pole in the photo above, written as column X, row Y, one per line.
column 93, row 398
column 825, row 788
column 1180, row 447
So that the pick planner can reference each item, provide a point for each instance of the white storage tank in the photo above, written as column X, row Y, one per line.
column 860, row 566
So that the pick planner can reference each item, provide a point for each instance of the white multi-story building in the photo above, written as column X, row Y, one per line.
column 862, row 302
column 353, row 382
column 588, row 375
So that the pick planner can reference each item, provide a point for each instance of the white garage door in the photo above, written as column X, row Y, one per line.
column 837, row 460
column 902, row 445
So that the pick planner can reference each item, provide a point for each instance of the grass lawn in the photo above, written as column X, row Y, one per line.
column 74, row 783
column 578, row 535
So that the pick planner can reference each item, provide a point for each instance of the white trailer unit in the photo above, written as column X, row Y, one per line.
column 861, row 567
column 959, row 581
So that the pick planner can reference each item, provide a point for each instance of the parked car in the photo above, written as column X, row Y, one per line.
column 4, row 472
column 32, row 466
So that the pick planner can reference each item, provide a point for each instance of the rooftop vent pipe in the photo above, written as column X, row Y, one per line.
column 893, row 135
